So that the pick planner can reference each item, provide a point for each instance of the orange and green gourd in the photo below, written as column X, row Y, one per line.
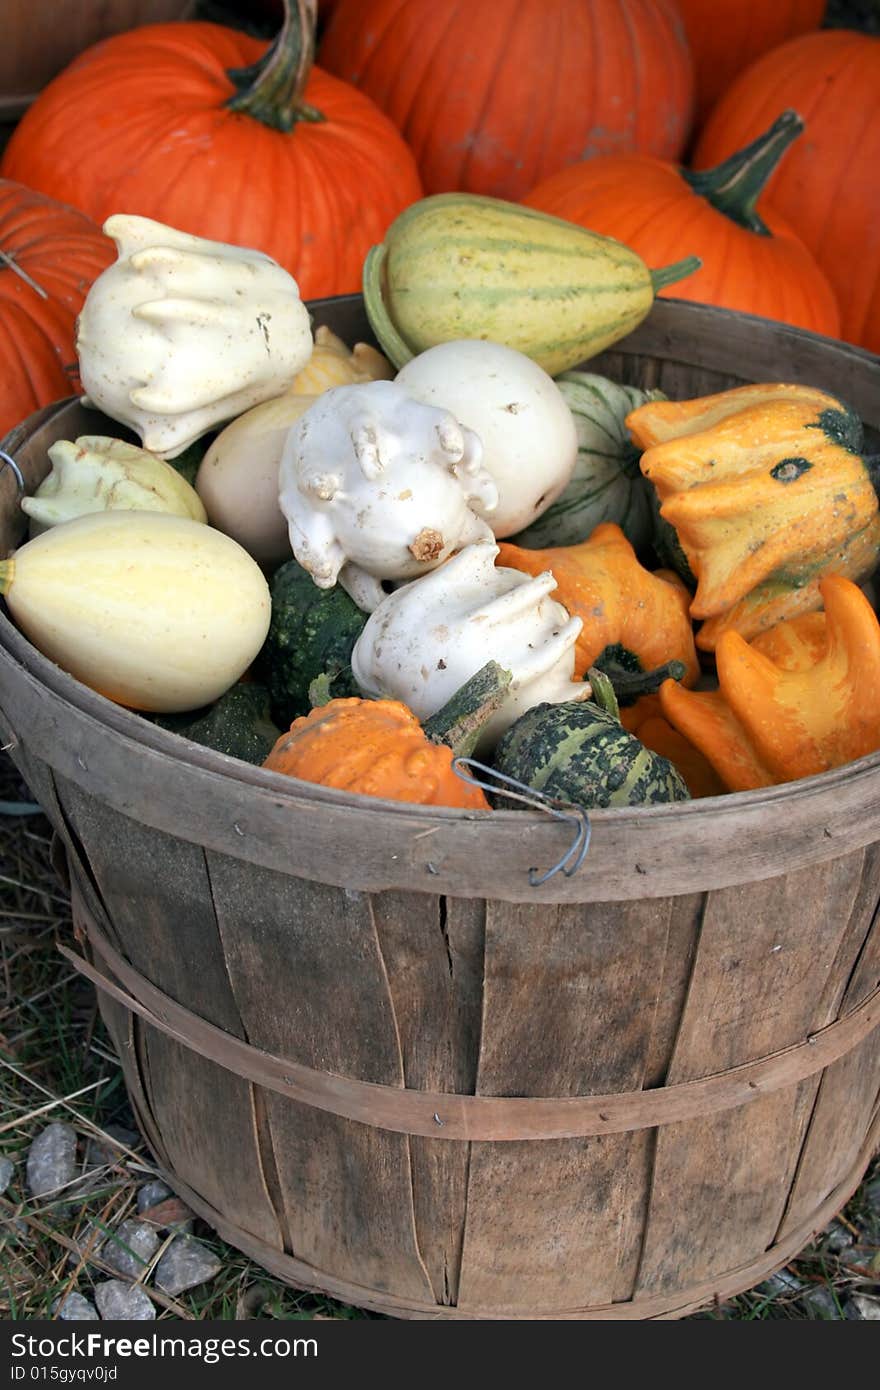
column 379, row 748
column 633, row 619
column 766, row 493
column 799, row 700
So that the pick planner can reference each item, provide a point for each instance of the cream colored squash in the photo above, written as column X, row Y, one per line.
column 154, row 611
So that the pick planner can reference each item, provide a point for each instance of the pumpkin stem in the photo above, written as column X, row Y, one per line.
column 271, row 90
column 679, row 270
column 462, row 719
column 872, row 464
column 735, row 186
column 390, row 341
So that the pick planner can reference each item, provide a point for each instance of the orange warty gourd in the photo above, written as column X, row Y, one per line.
column 198, row 127
column 757, row 265
column 376, row 748
column 623, row 605
column 494, row 95
column 645, row 719
column 49, row 256
column 727, row 35
column 827, row 185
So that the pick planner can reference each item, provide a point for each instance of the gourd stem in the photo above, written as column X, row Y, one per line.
column 668, row 274
column 462, row 719
column 7, row 574
column 735, row 186
column 872, row 464
column 603, row 691
column 271, row 90
column 629, row 685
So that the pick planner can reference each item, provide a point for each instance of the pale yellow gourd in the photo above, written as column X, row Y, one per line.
column 333, row 363
column 97, row 473
column 154, row 611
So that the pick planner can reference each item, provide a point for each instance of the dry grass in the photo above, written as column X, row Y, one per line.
column 56, row 1062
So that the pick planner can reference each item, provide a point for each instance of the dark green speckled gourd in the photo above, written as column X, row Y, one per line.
column 579, row 752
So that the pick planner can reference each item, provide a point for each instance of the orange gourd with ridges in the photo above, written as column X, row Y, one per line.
column 142, row 124
column 493, row 95
column 727, row 35
column 54, row 249
column 827, row 186
column 757, row 265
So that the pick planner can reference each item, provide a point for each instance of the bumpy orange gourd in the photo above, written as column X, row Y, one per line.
column 621, row 603
column 766, row 493
column 645, row 719
column 375, row 747
column 827, row 185
column 757, row 265
column 781, row 711
column 197, row 127
column 50, row 256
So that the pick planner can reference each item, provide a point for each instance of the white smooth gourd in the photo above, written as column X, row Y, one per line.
column 154, row 611
column 428, row 637
column 180, row 333
column 376, row 486
column 97, row 473
column 526, row 428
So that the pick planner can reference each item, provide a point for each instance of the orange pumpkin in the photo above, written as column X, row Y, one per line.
column 49, row 256
column 826, row 186
column 757, row 265
column 173, row 121
column 622, row 604
column 494, row 95
column 376, row 748
column 727, row 35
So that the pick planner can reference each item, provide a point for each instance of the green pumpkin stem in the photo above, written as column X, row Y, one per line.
column 271, row 90
column 387, row 336
column 670, row 274
column 462, row 719
column 603, row 692
column 735, row 186
column 872, row 464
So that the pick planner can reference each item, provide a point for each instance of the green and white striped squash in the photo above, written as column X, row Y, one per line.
column 461, row 265
column 607, row 484
column 580, row 753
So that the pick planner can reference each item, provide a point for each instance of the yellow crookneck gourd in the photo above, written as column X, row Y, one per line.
column 766, row 492
column 796, row 701
column 640, row 618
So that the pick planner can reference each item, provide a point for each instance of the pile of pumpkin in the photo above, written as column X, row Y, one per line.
column 582, row 108
column 471, row 536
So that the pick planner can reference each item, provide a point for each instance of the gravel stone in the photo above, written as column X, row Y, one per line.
column 780, row 1284
column 131, row 1247
column 151, row 1194
column 7, row 1168
column 74, row 1308
column 837, row 1238
column 100, row 1152
column 118, row 1302
column 51, row 1161
column 821, row 1304
column 859, row 1306
column 91, row 1238
column 185, row 1264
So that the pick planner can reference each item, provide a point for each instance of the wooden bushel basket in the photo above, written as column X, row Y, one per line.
column 372, row 1056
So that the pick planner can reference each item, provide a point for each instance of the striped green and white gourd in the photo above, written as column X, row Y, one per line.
column 460, row 265
column 579, row 752
column 607, row 483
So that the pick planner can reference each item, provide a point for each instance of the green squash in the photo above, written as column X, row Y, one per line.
column 237, row 724
column 607, row 484
column 311, row 633
column 579, row 752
